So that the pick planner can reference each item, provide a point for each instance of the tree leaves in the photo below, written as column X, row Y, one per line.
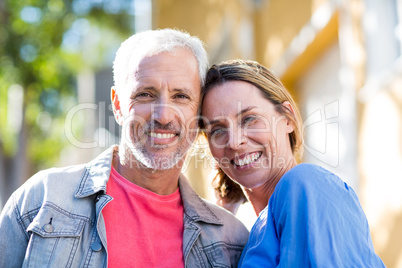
column 42, row 52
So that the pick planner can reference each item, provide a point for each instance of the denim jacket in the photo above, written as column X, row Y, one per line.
column 55, row 220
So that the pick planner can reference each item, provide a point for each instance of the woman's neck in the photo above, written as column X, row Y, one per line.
column 260, row 196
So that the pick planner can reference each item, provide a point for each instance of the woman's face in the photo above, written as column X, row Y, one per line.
column 246, row 135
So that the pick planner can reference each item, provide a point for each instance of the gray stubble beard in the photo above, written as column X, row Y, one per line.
column 151, row 160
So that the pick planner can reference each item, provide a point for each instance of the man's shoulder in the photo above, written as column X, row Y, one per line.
column 226, row 216
column 222, row 213
column 69, row 176
column 230, row 228
column 217, row 223
column 48, row 185
column 55, row 175
column 200, row 209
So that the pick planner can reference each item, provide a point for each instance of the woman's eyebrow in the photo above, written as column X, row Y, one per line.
column 245, row 110
column 213, row 122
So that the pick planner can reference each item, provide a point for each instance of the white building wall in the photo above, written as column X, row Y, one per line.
column 329, row 115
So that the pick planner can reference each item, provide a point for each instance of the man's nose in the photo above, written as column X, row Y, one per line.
column 163, row 112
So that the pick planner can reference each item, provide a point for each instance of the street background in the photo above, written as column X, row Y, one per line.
column 341, row 60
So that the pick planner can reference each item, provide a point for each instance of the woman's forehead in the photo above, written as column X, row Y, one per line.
column 234, row 99
column 232, row 94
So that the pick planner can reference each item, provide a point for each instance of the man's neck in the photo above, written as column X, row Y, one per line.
column 162, row 182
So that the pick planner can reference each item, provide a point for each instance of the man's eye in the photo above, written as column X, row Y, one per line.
column 144, row 95
column 181, row 96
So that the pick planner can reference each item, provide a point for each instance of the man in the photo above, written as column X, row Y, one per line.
column 130, row 207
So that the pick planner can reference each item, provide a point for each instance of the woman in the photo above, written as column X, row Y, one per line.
column 307, row 216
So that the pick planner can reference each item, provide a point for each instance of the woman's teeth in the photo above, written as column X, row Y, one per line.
column 247, row 159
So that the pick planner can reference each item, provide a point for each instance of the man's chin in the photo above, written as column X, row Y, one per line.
column 161, row 162
column 157, row 158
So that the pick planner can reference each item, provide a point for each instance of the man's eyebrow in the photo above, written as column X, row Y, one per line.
column 182, row 90
column 141, row 88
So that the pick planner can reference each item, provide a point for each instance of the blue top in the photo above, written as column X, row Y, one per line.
column 313, row 219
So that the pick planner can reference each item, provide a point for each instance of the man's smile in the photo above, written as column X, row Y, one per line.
column 161, row 135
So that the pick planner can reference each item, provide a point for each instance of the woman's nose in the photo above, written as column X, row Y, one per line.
column 236, row 138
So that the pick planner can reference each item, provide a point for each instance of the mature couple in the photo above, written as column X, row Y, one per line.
column 131, row 206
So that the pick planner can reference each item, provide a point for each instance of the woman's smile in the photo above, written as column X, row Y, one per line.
column 246, row 160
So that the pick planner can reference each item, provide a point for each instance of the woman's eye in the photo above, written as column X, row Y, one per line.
column 247, row 120
column 217, row 131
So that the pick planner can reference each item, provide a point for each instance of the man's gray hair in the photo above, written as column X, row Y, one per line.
column 153, row 42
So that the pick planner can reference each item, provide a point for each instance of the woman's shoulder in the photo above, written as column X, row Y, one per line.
column 309, row 187
column 307, row 169
column 305, row 173
column 310, row 177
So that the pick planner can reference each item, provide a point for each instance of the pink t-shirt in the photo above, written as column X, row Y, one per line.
column 143, row 229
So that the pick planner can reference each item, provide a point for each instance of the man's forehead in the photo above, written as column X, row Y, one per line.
column 161, row 57
column 180, row 66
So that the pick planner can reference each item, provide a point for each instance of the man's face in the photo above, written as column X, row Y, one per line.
column 158, row 108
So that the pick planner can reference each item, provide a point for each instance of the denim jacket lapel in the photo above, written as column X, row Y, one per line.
column 194, row 207
column 96, row 174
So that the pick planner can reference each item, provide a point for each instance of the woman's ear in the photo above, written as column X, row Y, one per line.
column 118, row 115
column 290, row 127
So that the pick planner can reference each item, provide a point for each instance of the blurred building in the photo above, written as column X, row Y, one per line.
column 342, row 62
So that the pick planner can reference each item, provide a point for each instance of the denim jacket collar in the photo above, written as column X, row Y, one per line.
column 97, row 173
column 194, row 207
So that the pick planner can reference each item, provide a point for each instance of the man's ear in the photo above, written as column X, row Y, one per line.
column 289, row 123
column 118, row 115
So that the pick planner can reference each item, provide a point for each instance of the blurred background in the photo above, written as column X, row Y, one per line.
column 341, row 60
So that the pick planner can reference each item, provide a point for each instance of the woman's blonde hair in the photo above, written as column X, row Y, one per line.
column 272, row 89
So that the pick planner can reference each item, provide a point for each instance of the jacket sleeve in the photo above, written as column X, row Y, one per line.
column 13, row 237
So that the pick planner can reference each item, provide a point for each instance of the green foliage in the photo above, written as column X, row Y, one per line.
column 36, row 54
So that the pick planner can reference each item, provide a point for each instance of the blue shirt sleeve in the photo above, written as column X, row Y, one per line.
column 313, row 219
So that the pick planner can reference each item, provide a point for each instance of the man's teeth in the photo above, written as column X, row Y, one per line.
column 161, row 135
column 248, row 159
